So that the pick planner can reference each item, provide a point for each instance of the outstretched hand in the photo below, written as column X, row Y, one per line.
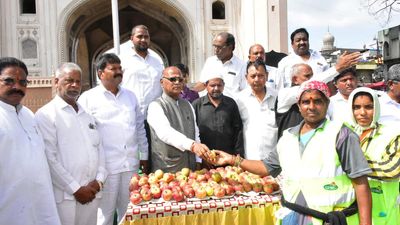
column 201, row 150
column 222, row 158
column 347, row 60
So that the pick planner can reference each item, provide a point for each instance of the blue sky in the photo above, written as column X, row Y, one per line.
column 348, row 21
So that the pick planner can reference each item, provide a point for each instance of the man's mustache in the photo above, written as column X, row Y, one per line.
column 15, row 91
column 118, row 75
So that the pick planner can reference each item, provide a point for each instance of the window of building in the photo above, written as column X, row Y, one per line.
column 28, row 6
column 218, row 10
column 29, row 49
column 386, row 49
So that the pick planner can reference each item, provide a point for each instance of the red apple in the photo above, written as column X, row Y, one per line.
column 177, row 195
column 229, row 190
column 135, row 177
column 219, row 192
column 201, row 178
column 200, row 193
column 143, row 180
column 153, row 179
column 188, row 191
column 146, row 194
column 135, row 197
column 257, row 187
column 167, row 194
column 168, row 177
column 156, row 192
column 238, row 188
column 133, row 185
column 192, row 175
column 247, row 186
column 174, row 183
column 267, row 188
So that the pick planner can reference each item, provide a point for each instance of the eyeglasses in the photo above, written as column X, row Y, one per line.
column 11, row 82
column 174, row 79
column 219, row 47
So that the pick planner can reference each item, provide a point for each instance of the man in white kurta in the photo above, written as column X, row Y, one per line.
column 26, row 193
column 301, row 54
column 227, row 64
column 121, row 126
column 73, row 150
column 142, row 70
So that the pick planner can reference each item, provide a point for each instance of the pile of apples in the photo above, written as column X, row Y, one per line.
column 219, row 182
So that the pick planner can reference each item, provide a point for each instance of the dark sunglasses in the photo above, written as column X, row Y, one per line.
column 174, row 79
column 11, row 82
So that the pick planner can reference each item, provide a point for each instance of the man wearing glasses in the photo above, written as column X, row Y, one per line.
column 226, row 63
column 174, row 134
column 26, row 191
column 390, row 101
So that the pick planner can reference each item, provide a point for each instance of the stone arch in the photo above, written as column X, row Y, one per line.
column 85, row 30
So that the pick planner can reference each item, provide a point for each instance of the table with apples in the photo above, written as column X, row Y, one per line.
column 225, row 195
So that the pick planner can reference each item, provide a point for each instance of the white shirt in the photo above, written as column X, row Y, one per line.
column 288, row 95
column 390, row 109
column 121, row 126
column 160, row 123
column 73, row 147
column 233, row 72
column 26, row 193
column 259, row 126
column 316, row 62
column 274, row 80
column 142, row 77
column 339, row 109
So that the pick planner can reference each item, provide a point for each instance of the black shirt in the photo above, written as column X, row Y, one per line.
column 220, row 127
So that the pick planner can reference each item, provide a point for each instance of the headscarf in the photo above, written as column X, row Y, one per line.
column 313, row 85
column 357, row 128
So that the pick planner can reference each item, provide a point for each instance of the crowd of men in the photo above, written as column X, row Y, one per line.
column 71, row 162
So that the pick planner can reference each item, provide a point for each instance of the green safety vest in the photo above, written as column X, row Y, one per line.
column 317, row 173
column 385, row 210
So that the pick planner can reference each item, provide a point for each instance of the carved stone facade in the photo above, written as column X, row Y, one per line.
column 181, row 30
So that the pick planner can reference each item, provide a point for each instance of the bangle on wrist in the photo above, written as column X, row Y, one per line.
column 232, row 162
column 238, row 160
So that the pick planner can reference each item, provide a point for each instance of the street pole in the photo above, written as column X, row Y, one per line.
column 115, row 24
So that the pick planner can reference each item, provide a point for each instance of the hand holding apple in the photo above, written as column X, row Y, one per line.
column 222, row 158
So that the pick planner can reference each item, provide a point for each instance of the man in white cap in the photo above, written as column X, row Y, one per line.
column 218, row 118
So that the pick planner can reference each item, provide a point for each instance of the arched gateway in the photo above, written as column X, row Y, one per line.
column 86, row 31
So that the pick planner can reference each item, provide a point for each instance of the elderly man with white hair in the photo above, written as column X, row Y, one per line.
column 218, row 118
column 73, row 149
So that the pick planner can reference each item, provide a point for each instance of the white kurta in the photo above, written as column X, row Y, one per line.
column 73, row 147
column 26, row 193
column 233, row 72
column 142, row 77
column 316, row 62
